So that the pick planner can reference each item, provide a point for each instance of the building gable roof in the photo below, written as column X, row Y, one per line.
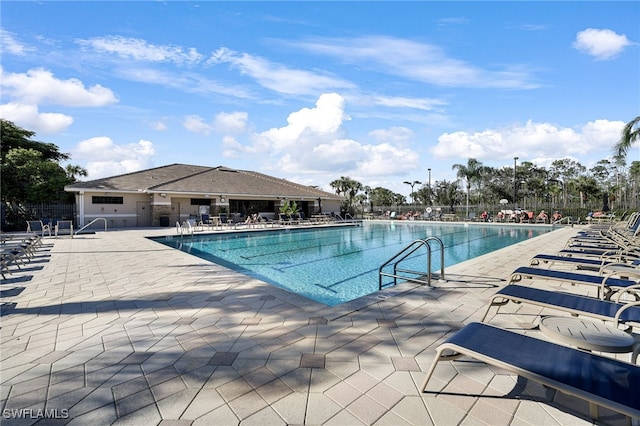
column 193, row 180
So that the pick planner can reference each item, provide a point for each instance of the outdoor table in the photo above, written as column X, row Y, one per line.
column 214, row 221
column 590, row 335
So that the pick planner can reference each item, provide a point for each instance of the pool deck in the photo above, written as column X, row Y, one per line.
column 113, row 328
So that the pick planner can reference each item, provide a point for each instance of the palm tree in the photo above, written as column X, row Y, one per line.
column 472, row 171
column 73, row 172
column 630, row 135
column 412, row 184
column 347, row 186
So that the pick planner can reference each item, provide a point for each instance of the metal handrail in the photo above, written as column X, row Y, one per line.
column 186, row 226
column 405, row 253
column 91, row 223
column 568, row 219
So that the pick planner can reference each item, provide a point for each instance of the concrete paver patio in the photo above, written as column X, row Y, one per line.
column 113, row 328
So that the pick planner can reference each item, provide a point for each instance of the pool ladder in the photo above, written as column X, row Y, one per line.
column 404, row 254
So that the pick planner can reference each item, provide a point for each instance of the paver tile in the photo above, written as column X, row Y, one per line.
column 312, row 361
column 366, row 409
column 121, row 331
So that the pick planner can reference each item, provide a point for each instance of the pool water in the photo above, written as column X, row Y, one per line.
column 333, row 265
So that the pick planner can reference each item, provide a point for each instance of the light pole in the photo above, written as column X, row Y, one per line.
column 515, row 185
column 429, row 169
column 414, row 183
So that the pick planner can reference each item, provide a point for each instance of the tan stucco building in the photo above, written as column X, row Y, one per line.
column 165, row 195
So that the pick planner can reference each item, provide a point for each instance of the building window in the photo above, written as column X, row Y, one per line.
column 106, row 200
column 200, row 202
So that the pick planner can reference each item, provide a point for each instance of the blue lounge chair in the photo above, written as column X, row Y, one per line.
column 600, row 380
column 600, row 254
column 589, row 263
column 553, row 258
column 624, row 236
column 573, row 304
column 607, row 285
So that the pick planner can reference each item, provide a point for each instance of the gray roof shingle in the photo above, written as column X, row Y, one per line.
column 190, row 179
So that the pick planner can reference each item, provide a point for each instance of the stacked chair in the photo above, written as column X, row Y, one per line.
column 17, row 250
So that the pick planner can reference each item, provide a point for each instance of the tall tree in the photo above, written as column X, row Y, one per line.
column 564, row 171
column 634, row 179
column 347, row 187
column 30, row 170
column 447, row 193
column 470, row 172
column 12, row 136
column 381, row 196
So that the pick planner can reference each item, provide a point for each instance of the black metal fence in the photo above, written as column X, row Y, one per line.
column 15, row 217
column 577, row 214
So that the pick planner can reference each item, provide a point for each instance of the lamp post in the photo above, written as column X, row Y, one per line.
column 515, row 184
column 429, row 169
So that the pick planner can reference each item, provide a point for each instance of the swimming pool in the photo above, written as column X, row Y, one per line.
column 333, row 265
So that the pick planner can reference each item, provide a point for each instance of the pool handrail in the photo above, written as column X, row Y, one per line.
column 91, row 223
column 406, row 252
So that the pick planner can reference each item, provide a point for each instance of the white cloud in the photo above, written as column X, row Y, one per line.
column 602, row 132
column 11, row 45
column 386, row 159
column 417, row 61
column 232, row 148
column 104, row 158
column 159, row 126
column 533, row 140
column 140, row 50
column 404, row 102
column 339, row 154
column 189, row 83
column 314, row 142
column 196, row 124
column 231, row 122
column 602, row 44
column 322, row 122
column 393, row 134
column 29, row 117
column 223, row 122
column 277, row 77
column 39, row 86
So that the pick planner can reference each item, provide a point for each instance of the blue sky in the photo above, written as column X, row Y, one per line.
column 311, row 91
